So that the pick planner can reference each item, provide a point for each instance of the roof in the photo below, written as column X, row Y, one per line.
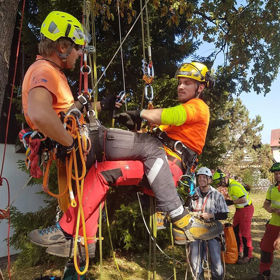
column 275, row 138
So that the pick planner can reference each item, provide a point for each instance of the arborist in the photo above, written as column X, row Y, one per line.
column 271, row 238
column 210, row 205
column 128, row 155
column 239, row 197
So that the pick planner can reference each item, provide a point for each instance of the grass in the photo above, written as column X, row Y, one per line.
column 134, row 267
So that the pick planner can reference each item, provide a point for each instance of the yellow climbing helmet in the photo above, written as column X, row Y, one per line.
column 59, row 24
column 196, row 71
column 218, row 175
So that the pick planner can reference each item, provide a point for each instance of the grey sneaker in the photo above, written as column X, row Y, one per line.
column 47, row 236
column 66, row 250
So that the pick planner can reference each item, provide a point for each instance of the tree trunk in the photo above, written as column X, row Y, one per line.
column 8, row 10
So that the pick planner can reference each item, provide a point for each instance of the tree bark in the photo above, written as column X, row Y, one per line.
column 8, row 10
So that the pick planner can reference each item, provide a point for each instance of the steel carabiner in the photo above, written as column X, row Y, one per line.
column 147, row 96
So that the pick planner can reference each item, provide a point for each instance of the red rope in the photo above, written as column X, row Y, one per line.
column 7, row 212
column 6, row 215
column 13, row 86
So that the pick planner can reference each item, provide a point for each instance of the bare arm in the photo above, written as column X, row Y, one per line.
column 276, row 243
column 152, row 116
column 269, row 209
column 43, row 116
column 240, row 200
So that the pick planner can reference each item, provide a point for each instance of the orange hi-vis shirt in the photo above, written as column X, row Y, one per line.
column 193, row 132
column 43, row 73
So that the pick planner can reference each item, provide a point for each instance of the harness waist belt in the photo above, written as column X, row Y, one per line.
column 187, row 155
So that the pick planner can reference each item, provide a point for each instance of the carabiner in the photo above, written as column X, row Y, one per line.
column 151, row 72
column 148, row 69
column 124, row 96
column 85, row 69
column 151, row 96
column 91, row 111
column 121, row 96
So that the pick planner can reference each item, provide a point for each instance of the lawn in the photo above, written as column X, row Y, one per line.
column 134, row 267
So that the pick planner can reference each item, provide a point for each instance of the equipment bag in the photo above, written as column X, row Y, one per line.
column 231, row 253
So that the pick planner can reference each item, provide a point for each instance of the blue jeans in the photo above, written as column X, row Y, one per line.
column 198, row 253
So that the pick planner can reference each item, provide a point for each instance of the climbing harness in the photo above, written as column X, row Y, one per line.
column 188, row 156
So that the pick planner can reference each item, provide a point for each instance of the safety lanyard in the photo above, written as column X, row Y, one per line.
column 203, row 205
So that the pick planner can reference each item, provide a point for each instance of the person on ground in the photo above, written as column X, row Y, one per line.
column 46, row 93
column 242, row 219
column 211, row 205
column 271, row 238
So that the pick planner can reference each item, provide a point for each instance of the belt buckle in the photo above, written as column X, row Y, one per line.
column 176, row 148
column 91, row 112
column 159, row 135
column 82, row 99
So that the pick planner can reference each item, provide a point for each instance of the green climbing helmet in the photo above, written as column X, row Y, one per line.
column 275, row 167
column 218, row 175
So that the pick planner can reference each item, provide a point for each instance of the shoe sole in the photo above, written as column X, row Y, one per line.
column 46, row 245
column 69, row 252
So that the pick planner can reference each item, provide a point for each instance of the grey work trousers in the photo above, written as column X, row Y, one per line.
column 118, row 144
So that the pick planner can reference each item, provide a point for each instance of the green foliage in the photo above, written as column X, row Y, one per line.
column 127, row 229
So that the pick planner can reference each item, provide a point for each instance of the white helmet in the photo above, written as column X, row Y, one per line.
column 204, row 171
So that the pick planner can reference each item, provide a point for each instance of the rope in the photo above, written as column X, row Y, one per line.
column 111, row 242
column 7, row 212
column 100, row 240
column 147, row 68
column 92, row 63
column 120, row 34
column 108, row 65
column 147, row 228
column 12, row 89
column 6, row 215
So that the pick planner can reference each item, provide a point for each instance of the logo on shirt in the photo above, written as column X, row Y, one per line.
column 38, row 81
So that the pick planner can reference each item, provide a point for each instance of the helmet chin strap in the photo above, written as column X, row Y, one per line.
column 196, row 91
column 63, row 56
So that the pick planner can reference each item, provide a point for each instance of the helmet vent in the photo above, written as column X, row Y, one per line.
column 53, row 28
column 68, row 30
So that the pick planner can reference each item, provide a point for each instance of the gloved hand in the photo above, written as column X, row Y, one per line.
column 131, row 119
column 64, row 151
column 229, row 202
column 108, row 102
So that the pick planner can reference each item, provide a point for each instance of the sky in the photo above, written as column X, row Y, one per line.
column 267, row 107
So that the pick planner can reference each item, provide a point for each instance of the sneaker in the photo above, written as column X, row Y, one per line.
column 66, row 250
column 48, row 236
column 243, row 260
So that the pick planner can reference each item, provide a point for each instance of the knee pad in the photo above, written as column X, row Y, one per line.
column 265, row 257
column 112, row 175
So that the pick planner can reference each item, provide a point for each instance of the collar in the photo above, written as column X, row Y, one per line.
column 211, row 189
column 39, row 57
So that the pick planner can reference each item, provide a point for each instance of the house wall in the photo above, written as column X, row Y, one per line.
column 276, row 153
column 23, row 197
